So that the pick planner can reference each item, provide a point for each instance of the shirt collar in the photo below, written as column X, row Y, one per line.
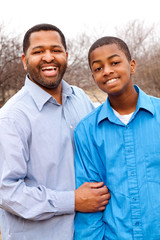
column 144, row 102
column 40, row 96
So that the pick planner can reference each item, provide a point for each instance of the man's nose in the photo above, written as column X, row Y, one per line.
column 48, row 56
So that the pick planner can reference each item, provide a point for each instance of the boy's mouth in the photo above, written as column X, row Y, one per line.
column 111, row 80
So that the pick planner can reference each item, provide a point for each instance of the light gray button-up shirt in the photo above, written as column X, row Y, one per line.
column 37, row 178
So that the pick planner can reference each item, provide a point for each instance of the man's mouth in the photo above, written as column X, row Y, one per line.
column 50, row 70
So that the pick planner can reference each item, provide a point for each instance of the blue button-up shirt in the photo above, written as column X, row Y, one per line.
column 127, row 159
column 37, row 178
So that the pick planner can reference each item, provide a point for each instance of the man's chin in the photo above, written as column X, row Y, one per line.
column 50, row 85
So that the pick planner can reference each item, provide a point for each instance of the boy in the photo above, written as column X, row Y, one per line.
column 118, row 143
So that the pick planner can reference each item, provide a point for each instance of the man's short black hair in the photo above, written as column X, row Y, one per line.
column 41, row 27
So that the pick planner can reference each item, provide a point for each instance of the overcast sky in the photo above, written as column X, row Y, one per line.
column 74, row 17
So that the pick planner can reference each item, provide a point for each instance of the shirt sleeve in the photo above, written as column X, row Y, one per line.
column 87, row 225
column 16, row 197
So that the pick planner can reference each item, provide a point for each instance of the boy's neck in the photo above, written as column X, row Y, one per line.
column 124, row 103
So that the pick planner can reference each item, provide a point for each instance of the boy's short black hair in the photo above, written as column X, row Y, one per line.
column 110, row 40
column 41, row 27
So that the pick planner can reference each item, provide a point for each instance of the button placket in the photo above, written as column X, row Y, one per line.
column 133, row 183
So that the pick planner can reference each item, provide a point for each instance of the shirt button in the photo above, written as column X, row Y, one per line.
column 137, row 224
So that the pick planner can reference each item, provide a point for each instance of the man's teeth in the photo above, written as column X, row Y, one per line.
column 112, row 80
column 49, row 68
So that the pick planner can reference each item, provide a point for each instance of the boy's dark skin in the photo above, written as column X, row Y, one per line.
column 107, row 63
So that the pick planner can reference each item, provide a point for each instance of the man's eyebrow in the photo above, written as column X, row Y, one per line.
column 110, row 57
column 41, row 46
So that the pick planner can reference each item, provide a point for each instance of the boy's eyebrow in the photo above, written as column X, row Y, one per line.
column 112, row 56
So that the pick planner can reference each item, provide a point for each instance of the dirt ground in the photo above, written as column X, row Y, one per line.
column 96, row 95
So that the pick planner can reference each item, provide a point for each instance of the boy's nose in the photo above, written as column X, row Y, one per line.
column 108, row 70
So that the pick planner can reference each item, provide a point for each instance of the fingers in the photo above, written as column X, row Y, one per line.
column 95, row 184
column 91, row 197
column 104, row 197
column 102, row 206
column 103, row 190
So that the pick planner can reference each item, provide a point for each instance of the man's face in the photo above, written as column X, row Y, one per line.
column 46, row 59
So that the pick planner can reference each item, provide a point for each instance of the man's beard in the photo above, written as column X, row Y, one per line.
column 36, row 77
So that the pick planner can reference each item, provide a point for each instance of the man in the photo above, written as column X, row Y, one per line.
column 118, row 143
column 37, row 194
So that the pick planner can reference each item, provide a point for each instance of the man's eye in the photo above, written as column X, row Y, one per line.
column 37, row 52
column 56, row 50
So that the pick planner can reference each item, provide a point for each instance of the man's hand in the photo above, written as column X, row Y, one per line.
column 91, row 197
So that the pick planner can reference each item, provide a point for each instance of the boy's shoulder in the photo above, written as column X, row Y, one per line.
column 155, row 101
column 91, row 118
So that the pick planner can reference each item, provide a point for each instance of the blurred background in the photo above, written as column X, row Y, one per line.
column 82, row 22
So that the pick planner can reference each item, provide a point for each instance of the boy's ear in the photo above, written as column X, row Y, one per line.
column 93, row 78
column 133, row 66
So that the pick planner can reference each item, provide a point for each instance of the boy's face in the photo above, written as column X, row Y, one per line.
column 111, row 69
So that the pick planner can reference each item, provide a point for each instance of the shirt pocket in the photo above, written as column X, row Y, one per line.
column 153, row 166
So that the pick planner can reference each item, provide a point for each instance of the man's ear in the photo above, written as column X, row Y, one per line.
column 133, row 66
column 67, row 58
column 24, row 62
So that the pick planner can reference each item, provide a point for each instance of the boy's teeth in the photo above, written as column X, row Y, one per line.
column 112, row 80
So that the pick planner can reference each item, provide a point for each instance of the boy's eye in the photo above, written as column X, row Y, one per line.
column 115, row 63
column 97, row 69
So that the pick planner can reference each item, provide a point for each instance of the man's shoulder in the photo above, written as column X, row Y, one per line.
column 15, row 104
column 78, row 91
column 90, row 119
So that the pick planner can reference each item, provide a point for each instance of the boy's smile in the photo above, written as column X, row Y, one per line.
column 111, row 69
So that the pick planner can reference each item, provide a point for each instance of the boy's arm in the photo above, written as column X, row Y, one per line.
column 87, row 225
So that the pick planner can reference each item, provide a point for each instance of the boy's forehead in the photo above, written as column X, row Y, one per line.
column 107, row 51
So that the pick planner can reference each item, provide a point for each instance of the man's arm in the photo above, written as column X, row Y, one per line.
column 91, row 197
column 30, row 201
column 35, row 202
